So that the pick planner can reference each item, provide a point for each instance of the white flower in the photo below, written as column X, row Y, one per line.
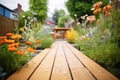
column 92, row 9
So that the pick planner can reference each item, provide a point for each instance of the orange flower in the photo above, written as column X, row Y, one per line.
column 9, row 41
column 3, row 37
column 28, row 43
column 97, row 5
column 1, row 41
column 21, row 52
column 12, row 49
column 106, row 10
column 31, row 50
column 38, row 41
column 109, row 6
column 10, row 45
column 13, row 45
column 13, row 37
column 95, row 12
column 16, row 36
column 91, row 18
column 9, row 34
column 16, row 44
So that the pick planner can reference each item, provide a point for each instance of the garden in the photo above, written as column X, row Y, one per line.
column 96, row 34
column 16, row 49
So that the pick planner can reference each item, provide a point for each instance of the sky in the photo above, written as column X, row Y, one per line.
column 52, row 5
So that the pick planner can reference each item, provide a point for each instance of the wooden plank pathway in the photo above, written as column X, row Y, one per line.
column 62, row 62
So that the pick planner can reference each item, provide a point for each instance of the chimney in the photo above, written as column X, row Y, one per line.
column 19, row 9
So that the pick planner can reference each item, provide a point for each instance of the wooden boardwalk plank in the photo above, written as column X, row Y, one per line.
column 62, row 62
column 79, row 72
column 98, row 72
column 43, row 72
column 60, row 69
column 25, row 72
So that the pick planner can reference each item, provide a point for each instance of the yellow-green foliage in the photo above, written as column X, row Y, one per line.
column 71, row 35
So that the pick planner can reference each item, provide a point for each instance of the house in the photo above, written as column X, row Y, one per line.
column 18, row 10
column 4, row 11
column 50, row 22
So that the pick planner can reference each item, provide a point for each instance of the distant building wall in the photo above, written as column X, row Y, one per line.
column 1, row 10
column 7, row 13
column 4, row 11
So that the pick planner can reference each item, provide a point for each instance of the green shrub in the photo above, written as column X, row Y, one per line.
column 46, row 42
column 103, row 46
column 9, row 60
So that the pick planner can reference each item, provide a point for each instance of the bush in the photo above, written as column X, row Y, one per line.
column 11, row 53
column 9, row 60
column 46, row 42
column 103, row 45
column 71, row 36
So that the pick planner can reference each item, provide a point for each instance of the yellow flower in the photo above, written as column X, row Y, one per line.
column 71, row 35
column 21, row 29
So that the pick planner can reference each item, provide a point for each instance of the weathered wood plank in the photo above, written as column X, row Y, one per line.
column 60, row 69
column 79, row 72
column 98, row 72
column 43, row 72
column 25, row 72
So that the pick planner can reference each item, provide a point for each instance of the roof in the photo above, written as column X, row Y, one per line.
column 7, row 8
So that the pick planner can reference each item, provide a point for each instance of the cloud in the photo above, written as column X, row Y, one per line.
column 52, row 5
column 12, row 4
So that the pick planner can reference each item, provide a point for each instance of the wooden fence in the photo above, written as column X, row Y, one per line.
column 7, row 25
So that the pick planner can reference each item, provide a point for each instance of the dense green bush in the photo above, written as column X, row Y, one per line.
column 103, row 45
column 46, row 42
column 10, row 61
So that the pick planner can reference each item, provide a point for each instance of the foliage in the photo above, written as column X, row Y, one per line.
column 71, row 36
column 46, row 38
column 62, row 20
column 116, row 24
column 11, row 53
column 12, row 61
column 80, row 7
column 39, row 7
column 24, row 16
column 2, row 74
column 40, row 38
column 57, row 14
column 101, row 43
column 46, row 42
column 32, row 35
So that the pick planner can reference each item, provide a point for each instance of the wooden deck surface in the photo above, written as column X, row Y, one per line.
column 62, row 62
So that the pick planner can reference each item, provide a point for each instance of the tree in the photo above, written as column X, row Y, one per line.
column 79, row 8
column 62, row 20
column 57, row 14
column 39, row 7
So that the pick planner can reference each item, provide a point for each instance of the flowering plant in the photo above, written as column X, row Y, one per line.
column 11, row 53
column 71, row 35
